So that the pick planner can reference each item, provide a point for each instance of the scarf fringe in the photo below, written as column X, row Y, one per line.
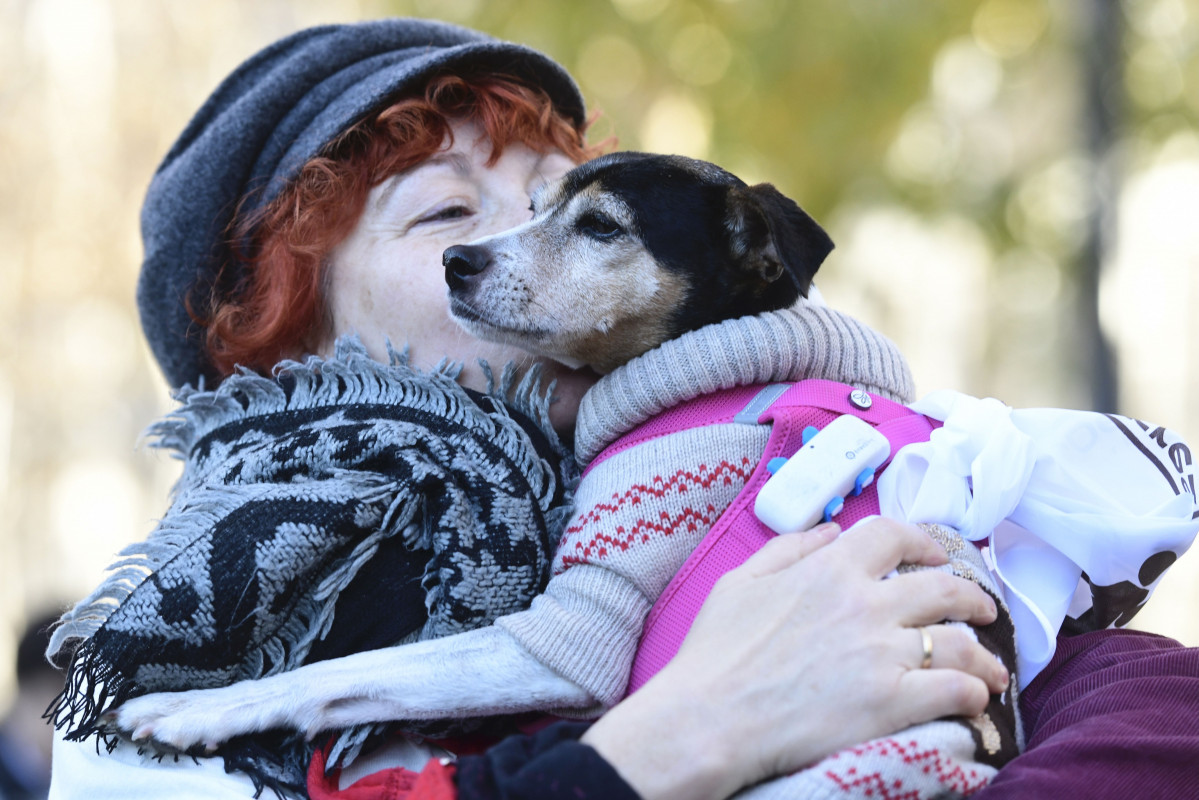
column 350, row 377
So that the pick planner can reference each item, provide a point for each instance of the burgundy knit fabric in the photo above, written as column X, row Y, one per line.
column 1115, row 714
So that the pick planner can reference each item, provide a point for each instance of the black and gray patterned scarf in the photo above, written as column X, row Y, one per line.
column 308, row 501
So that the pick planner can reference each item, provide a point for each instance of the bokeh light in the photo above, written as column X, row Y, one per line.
column 677, row 123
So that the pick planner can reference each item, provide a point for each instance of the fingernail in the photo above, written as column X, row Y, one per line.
column 825, row 528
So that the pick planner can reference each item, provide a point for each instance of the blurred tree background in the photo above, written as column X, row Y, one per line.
column 1013, row 186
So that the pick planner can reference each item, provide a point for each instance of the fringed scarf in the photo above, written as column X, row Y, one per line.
column 440, row 502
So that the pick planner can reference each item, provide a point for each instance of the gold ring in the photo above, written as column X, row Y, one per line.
column 926, row 642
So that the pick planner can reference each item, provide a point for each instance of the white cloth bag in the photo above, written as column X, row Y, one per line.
column 1059, row 493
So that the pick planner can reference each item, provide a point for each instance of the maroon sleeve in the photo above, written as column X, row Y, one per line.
column 1115, row 714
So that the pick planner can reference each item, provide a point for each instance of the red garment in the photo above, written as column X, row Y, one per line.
column 547, row 765
column 434, row 782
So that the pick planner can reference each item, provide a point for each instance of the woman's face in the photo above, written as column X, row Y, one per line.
column 386, row 279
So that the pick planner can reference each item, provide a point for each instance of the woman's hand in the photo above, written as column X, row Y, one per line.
column 799, row 652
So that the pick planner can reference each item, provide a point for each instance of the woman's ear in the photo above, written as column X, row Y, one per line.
column 771, row 236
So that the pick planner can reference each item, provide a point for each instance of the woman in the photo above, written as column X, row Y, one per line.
column 334, row 237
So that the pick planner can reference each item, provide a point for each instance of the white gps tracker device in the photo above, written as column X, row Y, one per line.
column 811, row 485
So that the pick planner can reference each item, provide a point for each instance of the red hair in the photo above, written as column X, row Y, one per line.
column 279, row 305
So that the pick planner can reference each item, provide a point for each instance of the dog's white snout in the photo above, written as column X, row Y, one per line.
column 462, row 262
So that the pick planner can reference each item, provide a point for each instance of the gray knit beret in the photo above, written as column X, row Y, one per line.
column 276, row 111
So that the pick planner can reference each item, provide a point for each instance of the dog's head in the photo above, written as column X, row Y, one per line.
column 630, row 250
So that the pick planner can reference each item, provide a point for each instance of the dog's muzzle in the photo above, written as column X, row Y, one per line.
column 463, row 262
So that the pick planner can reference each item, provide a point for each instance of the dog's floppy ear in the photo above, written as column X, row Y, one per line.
column 771, row 236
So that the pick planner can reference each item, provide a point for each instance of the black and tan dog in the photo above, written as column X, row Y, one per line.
column 631, row 250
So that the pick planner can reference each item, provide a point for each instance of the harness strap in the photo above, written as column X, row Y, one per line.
column 714, row 408
column 789, row 409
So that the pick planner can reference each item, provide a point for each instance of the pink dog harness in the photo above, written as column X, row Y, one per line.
column 737, row 534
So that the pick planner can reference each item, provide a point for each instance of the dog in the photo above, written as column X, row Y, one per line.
column 614, row 263
column 624, row 253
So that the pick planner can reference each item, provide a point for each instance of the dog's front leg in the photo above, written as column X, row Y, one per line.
column 478, row 673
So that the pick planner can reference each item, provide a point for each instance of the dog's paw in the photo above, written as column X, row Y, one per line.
column 173, row 722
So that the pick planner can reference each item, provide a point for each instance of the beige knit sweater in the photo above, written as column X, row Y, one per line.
column 642, row 510
column 587, row 623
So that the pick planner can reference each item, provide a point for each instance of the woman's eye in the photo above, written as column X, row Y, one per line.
column 599, row 226
column 448, row 213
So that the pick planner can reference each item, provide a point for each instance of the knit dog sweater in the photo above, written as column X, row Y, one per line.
column 641, row 511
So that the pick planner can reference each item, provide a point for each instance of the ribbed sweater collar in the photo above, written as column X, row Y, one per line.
column 808, row 340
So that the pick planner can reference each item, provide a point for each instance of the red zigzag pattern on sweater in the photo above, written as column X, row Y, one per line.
column 602, row 542
column 878, row 785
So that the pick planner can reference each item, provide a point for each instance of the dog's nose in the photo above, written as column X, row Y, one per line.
column 463, row 261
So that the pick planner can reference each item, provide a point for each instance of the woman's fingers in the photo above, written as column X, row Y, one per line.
column 935, row 693
column 926, row 596
column 884, row 544
column 952, row 647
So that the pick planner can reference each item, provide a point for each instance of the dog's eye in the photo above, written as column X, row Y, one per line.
column 598, row 226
